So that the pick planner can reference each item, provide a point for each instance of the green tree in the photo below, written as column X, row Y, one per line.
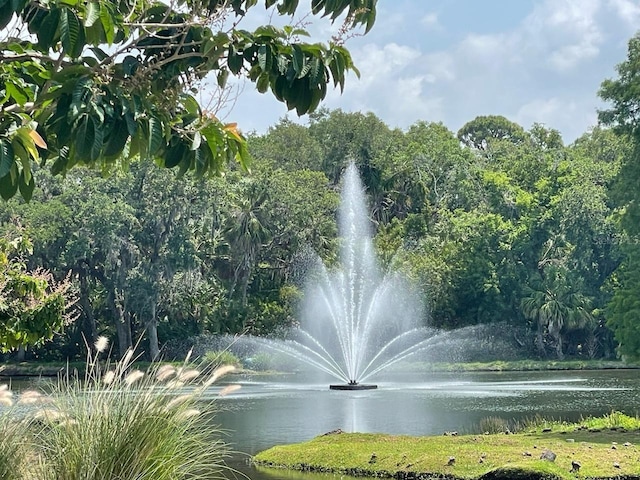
column 33, row 307
column 555, row 305
column 482, row 130
column 623, row 115
column 96, row 82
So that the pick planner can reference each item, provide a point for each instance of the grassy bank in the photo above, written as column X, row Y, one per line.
column 604, row 448
column 526, row 365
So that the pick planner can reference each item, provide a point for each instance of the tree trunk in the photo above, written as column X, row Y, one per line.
column 89, row 319
column 152, row 332
column 559, row 352
column 540, row 340
column 123, row 325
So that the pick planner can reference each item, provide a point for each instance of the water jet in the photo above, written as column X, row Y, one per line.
column 356, row 320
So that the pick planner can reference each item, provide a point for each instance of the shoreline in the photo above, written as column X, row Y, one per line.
column 598, row 448
column 42, row 369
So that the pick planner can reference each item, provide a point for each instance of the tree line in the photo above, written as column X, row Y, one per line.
column 494, row 224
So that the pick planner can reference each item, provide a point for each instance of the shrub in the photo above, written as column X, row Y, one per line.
column 222, row 357
column 122, row 423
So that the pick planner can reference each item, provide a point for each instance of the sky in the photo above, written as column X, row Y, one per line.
column 449, row 61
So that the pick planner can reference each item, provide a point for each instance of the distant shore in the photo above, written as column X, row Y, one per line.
column 52, row 369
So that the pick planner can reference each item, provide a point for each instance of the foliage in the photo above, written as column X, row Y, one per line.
column 624, row 309
column 221, row 357
column 119, row 422
column 100, row 83
column 478, row 230
column 481, row 131
column 33, row 307
column 622, row 94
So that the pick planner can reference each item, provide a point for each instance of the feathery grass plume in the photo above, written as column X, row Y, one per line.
column 134, row 426
column 165, row 372
column 101, row 344
column 188, row 375
column 109, row 377
column 32, row 396
column 133, row 377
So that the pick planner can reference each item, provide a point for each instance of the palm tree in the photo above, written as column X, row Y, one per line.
column 556, row 305
column 247, row 232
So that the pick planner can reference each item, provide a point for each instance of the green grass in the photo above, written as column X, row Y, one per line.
column 512, row 456
column 523, row 365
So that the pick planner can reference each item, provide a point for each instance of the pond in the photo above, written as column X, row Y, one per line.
column 272, row 410
column 269, row 411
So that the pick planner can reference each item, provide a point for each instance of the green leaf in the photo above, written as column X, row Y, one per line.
column 117, row 139
column 98, row 137
column 234, row 60
column 155, row 135
column 47, row 32
column 175, row 155
column 69, row 30
column 92, row 14
column 108, row 24
column 265, row 58
column 299, row 60
column 16, row 93
column 8, row 187
column 191, row 105
column 223, row 74
column 84, row 139
column 6, row 157
column 26, row 184
column 263, row 83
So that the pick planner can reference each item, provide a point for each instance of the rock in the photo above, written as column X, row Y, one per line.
column 614, row 447
column 526, row 454
column 575, row 466
column 546, row 430
column 451, row 462
column 628, row 444
column 481, row 460
column 571, row 440
column 616, row 465
column 333, row 432
column 373, row 458
column 548, row 455
column 450, row 434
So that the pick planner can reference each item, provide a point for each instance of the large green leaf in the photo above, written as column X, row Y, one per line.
column 8, row 186
column 117, row 139
column 155, row 135
column 92, row 13
column 299, row 60
column 6, row 157
column 26, row 185
column 47, row 31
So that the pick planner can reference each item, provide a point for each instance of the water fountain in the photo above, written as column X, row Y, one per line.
column 355, row 319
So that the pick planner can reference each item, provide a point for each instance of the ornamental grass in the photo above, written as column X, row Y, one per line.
column 119, row 423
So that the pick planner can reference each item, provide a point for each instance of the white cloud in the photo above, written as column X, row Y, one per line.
column 545, row 66
column 628, row 11
column 431, row 22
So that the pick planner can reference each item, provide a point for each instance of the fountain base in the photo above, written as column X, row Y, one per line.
column 353, row 386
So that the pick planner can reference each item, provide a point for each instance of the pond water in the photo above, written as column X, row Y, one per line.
column 272, row 410
column 269, row 411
